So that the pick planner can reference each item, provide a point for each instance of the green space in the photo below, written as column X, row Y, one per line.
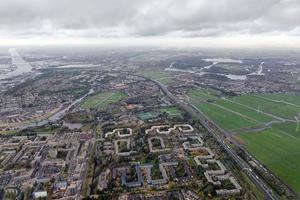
column 8, row 132
column 198, row 96
column 147, row 115
column 284, row 97
column 165, row 77
column 224, row 118
column 250, row 114
column 279, row 151
column 290, row 128
column 102, row 99
column 277, row 147
column 156, row 173
column 172, row 111
column 279, row 109
column 245, row 111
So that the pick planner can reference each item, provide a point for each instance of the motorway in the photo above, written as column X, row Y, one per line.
column 193, row 111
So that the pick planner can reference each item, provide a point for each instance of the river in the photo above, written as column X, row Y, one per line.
column 21, row 65
column 230, row 76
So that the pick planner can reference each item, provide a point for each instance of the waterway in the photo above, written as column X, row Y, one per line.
column 21, row 65
column 216, row 61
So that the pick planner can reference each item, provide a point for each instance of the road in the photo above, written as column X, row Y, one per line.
column 56, row 116
column 265, row 189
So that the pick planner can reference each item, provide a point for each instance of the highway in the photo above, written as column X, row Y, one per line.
column 193, row 111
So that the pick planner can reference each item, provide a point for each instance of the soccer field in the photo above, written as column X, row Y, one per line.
column 171, row 111
column 103, row 99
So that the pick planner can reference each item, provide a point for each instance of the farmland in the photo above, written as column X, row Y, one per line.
column 103, row 99
column 290, row 98
column 280, row 109
column 164, row 77
column 227, row 112
column 279, row 151
column 277, row 145
column 226, row 119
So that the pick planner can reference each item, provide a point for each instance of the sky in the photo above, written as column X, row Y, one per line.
column 190, row 22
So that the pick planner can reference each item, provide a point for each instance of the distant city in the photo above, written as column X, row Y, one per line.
column 140, row 124
column 150, row 100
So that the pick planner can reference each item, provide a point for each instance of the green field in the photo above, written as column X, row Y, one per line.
column 164, row 77
column 289, row 98
column 246, row 111
column 147, row 115
column 278, row 150
column 279, row 109
column 227, row 120
column 103, row 99
column 289, row 127
column 225, row 112
column 171, row 111
column 250, row 114
column 198, row 96
column 277, row 147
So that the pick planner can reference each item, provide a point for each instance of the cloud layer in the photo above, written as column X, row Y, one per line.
column 138, row 18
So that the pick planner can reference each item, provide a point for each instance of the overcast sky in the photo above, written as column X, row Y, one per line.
column 100, row 19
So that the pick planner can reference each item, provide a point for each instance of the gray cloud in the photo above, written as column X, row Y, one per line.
column 188, row 18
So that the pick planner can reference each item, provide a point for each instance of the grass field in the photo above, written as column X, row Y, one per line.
column 279, row 151
column 289, row 127
column 198, row 96
column 225, row 119
column 164, row 77
column 147, row 115
column 103, row 99
column 246, row 110
column 8, row 132
column 289, row 98
column 250, row 114
column 225, row 112
column 171, row 111
column 277, row 147
column 279, row 109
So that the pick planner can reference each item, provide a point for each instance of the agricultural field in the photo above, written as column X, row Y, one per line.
column 283, row 97
column 227, row 113
column 165, row 77
column 198, row 96
column 103, row 99
column 259, row 102
column 291, row 128
column 224, row 118
column 234, row 113
column 279, row 150
column 277, row 144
